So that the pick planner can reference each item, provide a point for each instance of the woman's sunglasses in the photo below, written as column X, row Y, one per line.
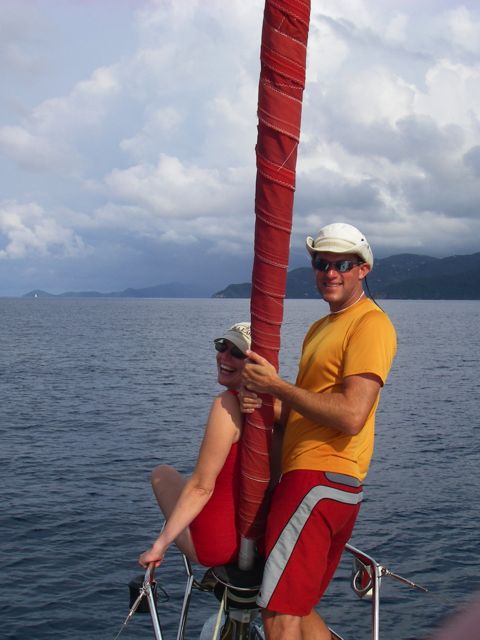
column 342, row 266
column 222, row 346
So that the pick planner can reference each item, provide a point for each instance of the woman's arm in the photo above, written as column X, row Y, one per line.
column 223, row 429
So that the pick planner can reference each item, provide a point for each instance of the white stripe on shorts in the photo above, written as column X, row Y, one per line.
column 279, row 555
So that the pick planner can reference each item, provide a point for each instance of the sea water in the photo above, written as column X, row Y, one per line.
column 95, row 392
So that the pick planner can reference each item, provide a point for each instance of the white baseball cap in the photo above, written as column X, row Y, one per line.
column 340, row 237
column 239, row 334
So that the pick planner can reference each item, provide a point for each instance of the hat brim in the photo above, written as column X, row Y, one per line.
column 330, row 245
column 237, row 339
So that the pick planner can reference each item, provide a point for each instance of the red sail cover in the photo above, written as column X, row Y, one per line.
column 282, row 80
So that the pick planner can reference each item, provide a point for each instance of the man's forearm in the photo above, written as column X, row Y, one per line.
column 345, row 410
column 335, row 410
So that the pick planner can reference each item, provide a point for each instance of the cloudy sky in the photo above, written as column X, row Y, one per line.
column 127, row 134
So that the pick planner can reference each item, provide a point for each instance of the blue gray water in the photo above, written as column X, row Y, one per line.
column 94, row 393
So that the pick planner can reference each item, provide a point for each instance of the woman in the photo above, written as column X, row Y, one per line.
column 201, row 512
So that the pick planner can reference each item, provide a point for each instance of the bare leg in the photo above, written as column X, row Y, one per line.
column 314, row 628
column 167, row 485
column 281, row 626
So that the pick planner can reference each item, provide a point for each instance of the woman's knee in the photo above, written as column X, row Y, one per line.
column 162, row 473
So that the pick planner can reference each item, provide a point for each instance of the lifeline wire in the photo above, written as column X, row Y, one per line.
column 143, row 592
column 131, row 613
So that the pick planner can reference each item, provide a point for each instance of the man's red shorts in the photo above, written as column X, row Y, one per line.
column 311, row 519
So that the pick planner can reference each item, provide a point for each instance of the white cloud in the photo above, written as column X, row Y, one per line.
column 170, row 188
column 357, row 12
column 173, row 236
column 163, row 122
column 396, row 28
column 33, row 151
column 452, row 96
column 50, row 136
column 157, row 148
column 377, row 95
column 463, row 29
column 29, row 229
column 326, row 51
column 85, row 105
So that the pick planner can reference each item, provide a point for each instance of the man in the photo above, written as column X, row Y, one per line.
column 329, row 415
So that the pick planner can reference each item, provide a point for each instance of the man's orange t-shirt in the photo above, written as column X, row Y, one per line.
column 358, row 340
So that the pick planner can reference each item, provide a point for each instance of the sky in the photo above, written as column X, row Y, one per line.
column 128, row 127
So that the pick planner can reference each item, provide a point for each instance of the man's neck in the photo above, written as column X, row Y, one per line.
column 347, row 306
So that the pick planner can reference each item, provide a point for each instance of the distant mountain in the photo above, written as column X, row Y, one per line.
column 170, row 290
column 405, row 276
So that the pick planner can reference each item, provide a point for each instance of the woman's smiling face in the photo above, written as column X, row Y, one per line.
column 229, row 368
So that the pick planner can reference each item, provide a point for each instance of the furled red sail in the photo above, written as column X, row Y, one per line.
column 282, row 80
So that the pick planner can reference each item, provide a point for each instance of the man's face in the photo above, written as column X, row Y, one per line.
column 340, row 289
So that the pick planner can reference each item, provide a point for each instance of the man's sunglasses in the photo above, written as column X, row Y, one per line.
column 222, row 346
column 342, row 266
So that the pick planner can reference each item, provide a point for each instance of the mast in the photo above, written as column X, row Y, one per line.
column 280, row 93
